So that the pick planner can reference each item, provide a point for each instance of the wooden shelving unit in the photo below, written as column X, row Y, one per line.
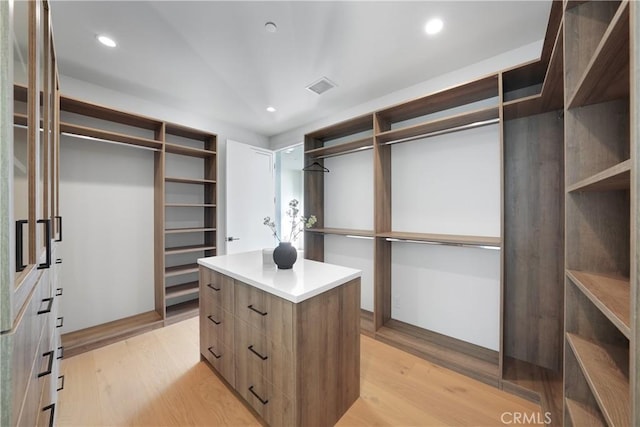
column 176, row 247
column 187, row 244
column 601, row 198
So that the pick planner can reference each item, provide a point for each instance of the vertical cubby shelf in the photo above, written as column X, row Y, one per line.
column 599, row 168
column 189, row 216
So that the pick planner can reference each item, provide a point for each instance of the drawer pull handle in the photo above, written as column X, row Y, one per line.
column 49, row 305
column 256, row 353
column 61, row 353
column 61, row 377
column 51, row 414
column 210, row 317
column 217, row 356
column 60, row 322
column 250, row 307
column 264, row 402
column 59, row 218
column 58, row 292
column 48, row 354
column 20, row 265
column 213, row 287
column 47, row 241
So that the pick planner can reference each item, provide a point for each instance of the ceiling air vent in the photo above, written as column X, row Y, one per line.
column 321, row 86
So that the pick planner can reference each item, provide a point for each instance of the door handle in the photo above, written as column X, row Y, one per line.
column 231, row 239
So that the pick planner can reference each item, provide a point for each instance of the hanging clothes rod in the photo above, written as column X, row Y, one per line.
column 445, row 131
column 353, row 236
column 354, row 150
column 93, row 138
column 459, row 245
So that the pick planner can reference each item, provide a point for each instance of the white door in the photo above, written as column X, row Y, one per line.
column 250, row 197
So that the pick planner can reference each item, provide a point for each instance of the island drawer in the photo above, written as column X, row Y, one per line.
column 216, row 288
column 273, row 406
column 222, row 359
column 216, row 326
column 264, row 357
column 270, row 315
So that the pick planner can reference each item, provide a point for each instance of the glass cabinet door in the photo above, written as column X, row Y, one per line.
column 21, row 152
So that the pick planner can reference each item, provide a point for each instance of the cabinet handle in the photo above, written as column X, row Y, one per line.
column 61, row 377
column 59, row 218
column 47, row 238
column 61, row 352
column 250, row 307
column 210, row 317
column 49, row 305
column 19, row 238
column 256, row 353
column 60, row 322
column 48, row 354
column 213, row 287
column 264, row 402
column 212, row 352
column 59, row 261
column 58, row 292
column 51, row 407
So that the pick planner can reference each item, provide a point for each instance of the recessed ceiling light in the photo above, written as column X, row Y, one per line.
column 106, row 40
column 271, row 109
column 270, row 27
column 434, row 26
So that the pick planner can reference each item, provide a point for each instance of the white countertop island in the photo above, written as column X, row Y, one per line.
column 306, row 279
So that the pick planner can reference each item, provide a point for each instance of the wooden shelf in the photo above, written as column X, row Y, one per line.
column 188, row 249
column 191, row 288
column 606, row 77
column 611, row 294
column 109, row 136
column 182, row 311
column 476, row 362
column 609, row 385
column 463, row 94
column 187, row 132
column 341, row 231
column 617, row 177
column 343, row 148
column 189, row 230
column 189, row 180
column 189, row 205
column 188, row 151
column 98, row 336
column 180, row 270
column 439, row 126
column 583, row 416
column 20, row 119
column 451, row 239
column 84, row 108
column 345, row 128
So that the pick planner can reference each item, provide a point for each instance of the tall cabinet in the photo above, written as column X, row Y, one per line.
column 30, row 222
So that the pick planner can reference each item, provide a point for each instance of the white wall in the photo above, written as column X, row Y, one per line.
column 474, row 71
column 125, row 102
column 106, row 200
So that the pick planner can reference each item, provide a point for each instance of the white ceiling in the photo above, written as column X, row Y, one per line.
column 215, row 58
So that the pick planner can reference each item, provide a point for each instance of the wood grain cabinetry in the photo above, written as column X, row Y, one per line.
column 601, row 215
column 293, row 363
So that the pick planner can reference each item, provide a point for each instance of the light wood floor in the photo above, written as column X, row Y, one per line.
column 157, row 379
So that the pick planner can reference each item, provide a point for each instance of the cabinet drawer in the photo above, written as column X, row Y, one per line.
column 274, row 407
column 263, row 357
column 271, row 315
column 216, row 288
column 216, row 327
column 221, row 358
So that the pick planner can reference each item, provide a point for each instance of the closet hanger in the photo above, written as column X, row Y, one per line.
column 315, row 167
